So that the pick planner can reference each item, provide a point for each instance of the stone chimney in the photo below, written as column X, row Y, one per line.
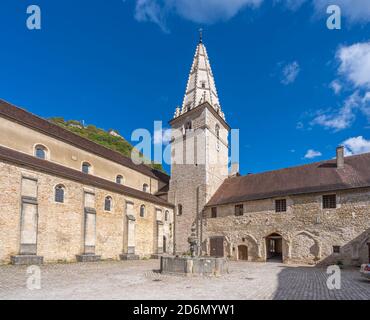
column 234, row 170
column 340, row 157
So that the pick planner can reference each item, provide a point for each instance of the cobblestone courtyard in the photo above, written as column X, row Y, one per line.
column 139, row 280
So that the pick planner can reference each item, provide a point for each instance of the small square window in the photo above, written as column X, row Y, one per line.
column 239, row 210
column 336, row 249
column 280, row 205
column 214, row 212
column 329, row 201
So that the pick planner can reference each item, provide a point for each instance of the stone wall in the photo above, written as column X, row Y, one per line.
column 194, row 182
column 308, row 231
column 60, row 227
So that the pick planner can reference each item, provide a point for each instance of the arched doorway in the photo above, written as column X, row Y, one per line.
column 242, row 252
column 274, row 247
column 164, row 244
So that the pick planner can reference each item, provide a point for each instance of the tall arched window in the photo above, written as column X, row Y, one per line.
column 40, row 152
column 166, row 214
column 108, row 204
column 86, row 167
column 59, row 193
column 179, row 210
column 145, row 187
column 217, row 130
column 142, row 211
column 119, row 179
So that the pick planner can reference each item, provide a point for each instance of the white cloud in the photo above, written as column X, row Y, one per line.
column 211, row 11
column 152, row 11
column 356, row 145
column 290, row 73
column 162, row 136
column 310, row 154
column 299, row 125
column 336, row 86
column 343, row 118
column 355, row 63
column 354, row 67
column 199, row 11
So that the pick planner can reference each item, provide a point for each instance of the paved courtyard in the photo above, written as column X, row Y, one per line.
column 139, row 280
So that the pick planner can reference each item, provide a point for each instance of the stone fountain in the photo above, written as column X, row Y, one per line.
column 193, row 264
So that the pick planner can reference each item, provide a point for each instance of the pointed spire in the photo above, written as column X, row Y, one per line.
column 201, row 84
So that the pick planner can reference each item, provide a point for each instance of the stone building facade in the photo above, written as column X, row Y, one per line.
column 52, row 211
column 65, row 198
column 316, row 214
column 307, row 232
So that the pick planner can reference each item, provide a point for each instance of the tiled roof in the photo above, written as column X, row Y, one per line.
column 22, row 159
column 30, row 120
column 322, row 176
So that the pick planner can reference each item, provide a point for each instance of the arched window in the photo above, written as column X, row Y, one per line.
column 119, row 179
column 145, row 187
column 86, row 167
column 217, row 130
column 142, row 211
column 166, row 214
column 59, row 194
column 179, row 210
column 40, row 152
column 108, row 204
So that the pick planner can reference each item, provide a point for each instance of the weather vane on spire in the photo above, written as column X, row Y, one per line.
column 200, row 35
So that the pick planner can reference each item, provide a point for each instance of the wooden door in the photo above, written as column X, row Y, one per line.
column 242, row 252
column 217, row 246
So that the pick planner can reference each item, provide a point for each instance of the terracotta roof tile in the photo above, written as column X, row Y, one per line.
column 30, row 120
column 12, row 156
column 322, row 176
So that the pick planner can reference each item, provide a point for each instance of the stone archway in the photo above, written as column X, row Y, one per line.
column 305, row 247
column 249, row 241
column 274, row 247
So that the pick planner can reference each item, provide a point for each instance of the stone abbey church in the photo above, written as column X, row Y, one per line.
column 65, row 198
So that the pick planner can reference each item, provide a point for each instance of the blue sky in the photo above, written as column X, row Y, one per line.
column 294, row 88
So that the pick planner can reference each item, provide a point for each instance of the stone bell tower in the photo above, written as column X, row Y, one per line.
column 199, row 149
